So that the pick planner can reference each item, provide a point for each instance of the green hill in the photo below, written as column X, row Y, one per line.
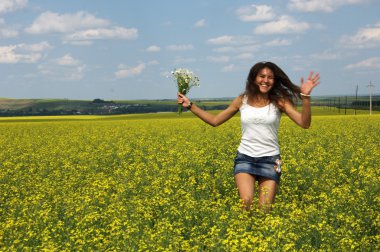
column 22, row 107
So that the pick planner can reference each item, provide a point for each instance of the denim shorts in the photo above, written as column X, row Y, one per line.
column 262, row 167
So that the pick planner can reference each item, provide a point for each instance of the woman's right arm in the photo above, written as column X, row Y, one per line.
column 213, row 120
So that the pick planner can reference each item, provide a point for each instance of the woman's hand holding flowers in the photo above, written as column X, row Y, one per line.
column 185, row 80
column 183, row 100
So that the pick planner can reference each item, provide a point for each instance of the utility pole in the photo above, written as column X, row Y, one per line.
column 345, row 107
column 370, row 86
column 356, row 99
column 339, row 104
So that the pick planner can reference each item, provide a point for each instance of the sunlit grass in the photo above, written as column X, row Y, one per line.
column 161, row 182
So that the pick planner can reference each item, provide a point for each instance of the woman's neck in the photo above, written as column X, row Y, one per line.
column 261, row 97
column 260, row 100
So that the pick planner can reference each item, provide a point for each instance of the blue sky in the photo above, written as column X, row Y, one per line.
column 124, row 49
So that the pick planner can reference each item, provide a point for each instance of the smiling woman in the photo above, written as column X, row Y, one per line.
column 268, row 93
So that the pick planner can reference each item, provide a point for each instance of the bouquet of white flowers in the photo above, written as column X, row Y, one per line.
column 184, row 79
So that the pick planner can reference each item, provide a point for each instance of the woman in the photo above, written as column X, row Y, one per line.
column 268, row 93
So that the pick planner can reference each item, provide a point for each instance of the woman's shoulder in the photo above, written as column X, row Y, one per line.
column 283, row 102
column 241, row 99
column 238, row 101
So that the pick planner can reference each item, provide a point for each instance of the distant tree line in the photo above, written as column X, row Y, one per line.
column 101, row 107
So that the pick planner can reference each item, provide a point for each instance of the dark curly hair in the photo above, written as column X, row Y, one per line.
column 283, row 87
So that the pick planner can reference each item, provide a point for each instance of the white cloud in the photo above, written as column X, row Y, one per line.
column 326, row 55
column 165, row 74
column 24, row 53
column 255, row 13
column 180, row 47
column 60, row 72
column 244, row 56
column 225, row 49
column 229, row 68
column 231, row 40
column 12, row 5
column 200, row 23
column 234, row 44
column 319, row 26
column 53, row 22
column 102, row 33
column 39, row 47
column 284, row 25
column 81, row 28
column 67, row 60
column 8, row 32
column 321, row 5
column 9, row 56
column 222, row 40
column 65, row 68
column 237, row 49
column 79, row 42
column 371, row 63
column 125, row 71
column 368, row 37
column 182, row 60
column 153, row 48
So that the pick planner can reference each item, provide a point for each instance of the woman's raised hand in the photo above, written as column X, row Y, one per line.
column 311, row 82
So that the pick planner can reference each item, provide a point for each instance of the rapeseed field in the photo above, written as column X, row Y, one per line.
column 166, row 184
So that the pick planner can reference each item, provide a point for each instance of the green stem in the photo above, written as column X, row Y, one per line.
column 180, row 109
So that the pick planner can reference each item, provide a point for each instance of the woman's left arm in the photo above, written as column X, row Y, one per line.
column 303, row 118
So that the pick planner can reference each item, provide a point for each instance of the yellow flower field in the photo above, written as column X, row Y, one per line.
column 166, row 184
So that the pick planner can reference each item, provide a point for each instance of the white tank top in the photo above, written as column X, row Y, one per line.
column 259, row 130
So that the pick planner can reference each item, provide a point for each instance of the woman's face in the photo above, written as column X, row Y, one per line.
column 265, row 80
